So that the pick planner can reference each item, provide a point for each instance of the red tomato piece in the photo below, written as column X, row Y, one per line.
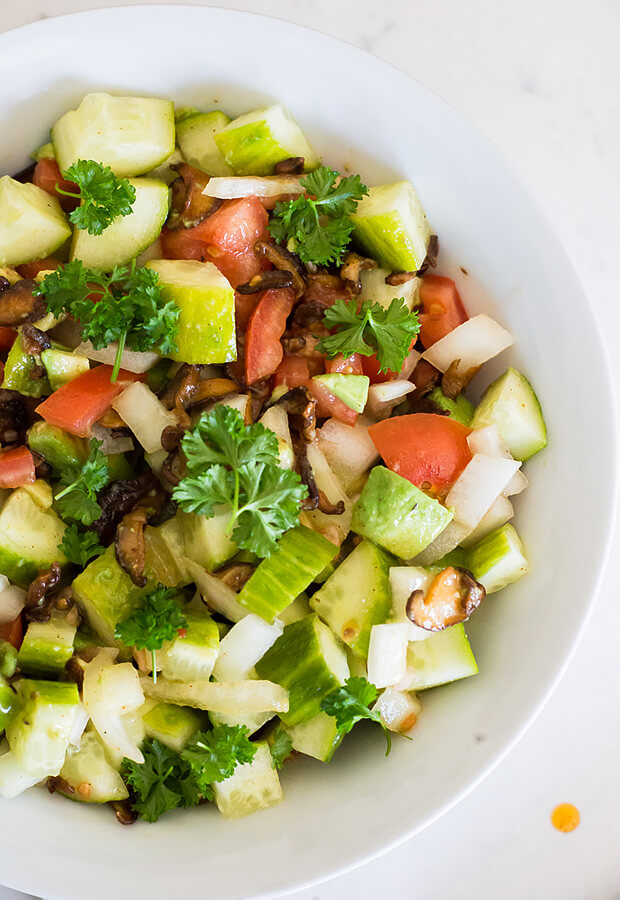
column 292, row 372
column 7, row 337
column 429, row 450
column 263, row 348
column 442, row 309
column 76, row 406
column 326, row 291
column 327, row 404
column 47, row 176
column 245, row 304
column 350, row 365
column 32, row 269
column 370, row 366
column 13, row 632
column 16, row 467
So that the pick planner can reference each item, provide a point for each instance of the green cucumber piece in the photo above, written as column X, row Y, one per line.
column 45, row 151
column 59, row 448
column 87, row 770
column 376, row 289
column 132, row 135
column 318, row 737
column 8, row 704
column 39, row 735
column 309, row 661
column 207, row 302
column 165, row 551
column 440, row 659
column 252, row 144
column 391, row 227
column 397, row 515
column 165, row 172
column 62, row 366
column 41, row 492
column 351, row 389
column 207, row 541
column 18, row 373
column 126, row 237
column 47, row 646
column 172, row 725
column 498, row 559
column 251, row 787
column 196, row 137
column 29, row 538
column 252, row 721
column 301, row 555
column 295, row 610
column 461, row 409
column 192, row 657
column 511, row 404
column 32, row 223
column 357, row 596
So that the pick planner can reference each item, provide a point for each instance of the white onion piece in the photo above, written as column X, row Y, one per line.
column 387, row 653
column 219, row 596
column 276, row 420
column 488, row 440
column 144, row 414
column 500, row 512
column 382, row 398
column 516, row 485
column 348, row 450
column 240, row 402
column 399, row 710
column 404, row 580
column 375, row 288
column 328, row 483
column 252, row 186
column 229, row 698
column 79, row 724
column 111, row 443
column 12, row 601
column 13, row 779
column 132, row 360
column 243, row 646
column 478, row 486
column 105, row 697
column 453, row 534
column 473, row 343
column 411, row 361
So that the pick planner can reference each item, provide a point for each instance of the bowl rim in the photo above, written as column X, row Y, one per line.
column 613, row 503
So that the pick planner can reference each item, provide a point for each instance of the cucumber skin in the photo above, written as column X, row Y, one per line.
column 47, row 646
column 453, row 644
column 489, row 411
column 59, row 448
column 492, row 550
column 22, row 557
column 18, row 370
column 9, row 704
column 62, row 367
column 302, row 554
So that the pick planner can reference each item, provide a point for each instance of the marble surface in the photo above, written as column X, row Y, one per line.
column 540, row 80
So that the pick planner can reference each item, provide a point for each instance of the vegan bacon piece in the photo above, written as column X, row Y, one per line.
column 453, row 595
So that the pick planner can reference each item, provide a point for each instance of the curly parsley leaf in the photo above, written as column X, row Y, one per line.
column 281, row 749
column 161, row 783
column 320, row 225
column 80, row 546
column 214, row 755
column 104, row 196
column 157, row 620
column 81, row 483
column 221, row 437
column 350, row 703
column 372, row 329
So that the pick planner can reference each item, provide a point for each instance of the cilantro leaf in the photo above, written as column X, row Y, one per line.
column 202, row 493
column 80, row 546
column 78, row 499
column 161, row 783
column 350, row 703
column 371, row 329
column 104, row 196
column 269, row 504
column 281, row 749
column 214, row 755
column 319, row 225
column 157, row 620
column 221, row 437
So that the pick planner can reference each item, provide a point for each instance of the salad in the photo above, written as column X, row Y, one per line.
column 245, row 499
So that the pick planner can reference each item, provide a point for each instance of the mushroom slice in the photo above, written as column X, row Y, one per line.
column 432, row 253
column 18, row 305
column 212, row 389
column 351, row 269
column 235, row 575
column 301, row 407
column 272, row 280
column 117, row 499
column 34, row 341
column 14, row 417
column 37, row 603
column 284, row 261
column 452, row 597
column 396, row 278
column 130, row 544
column 454, row 382
column 189, row 205
column 294, row 165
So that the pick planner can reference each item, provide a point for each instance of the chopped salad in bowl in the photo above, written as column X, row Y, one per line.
column 246, row 500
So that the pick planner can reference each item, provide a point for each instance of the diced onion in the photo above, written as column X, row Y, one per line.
column 500, row 512
column 243, row 646
column 111, row 443
column 399, row 710
column 472, row 343
column 79, row 724
column 387, row 653
column 230, row 698
column 219, row 596
column 109, row 691
column 348, row 450
column 132, row 360
column 489, row 441
column 328, row 483
column 411, row 361
column 246, row 186
column 12, row 601
column 144, row 414
column 478, row 486
column 276, row 420
column 382, row 398
column 404, row 580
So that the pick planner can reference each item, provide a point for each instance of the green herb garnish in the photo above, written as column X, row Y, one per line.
column 104, row 196
column 281, row 749
column 80, row 546
column 81, row 483
column 350, row 704
column 156, row 621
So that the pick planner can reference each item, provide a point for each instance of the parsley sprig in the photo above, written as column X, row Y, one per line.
column 351, row 702
column 236, row 466
column 126, row 306
column 319, row 225
column 104, row 196
column 281, row 748
column 156, row 621
column 81, row 483
column 372, row 329
column 80, row 546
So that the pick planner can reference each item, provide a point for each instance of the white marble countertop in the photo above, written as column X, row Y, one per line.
column 541, row 80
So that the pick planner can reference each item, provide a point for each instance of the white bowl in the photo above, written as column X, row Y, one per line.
column 357, row 111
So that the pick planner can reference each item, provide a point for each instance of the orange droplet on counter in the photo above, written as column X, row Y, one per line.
column 565, row 817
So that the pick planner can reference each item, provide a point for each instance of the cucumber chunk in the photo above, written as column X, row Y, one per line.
column 391, row 226
column 87, row 770
column 32, row 223
column 460, row 409
column 375, row 288
column 59, row 448
column 41, row 493
column 511, row 404
column 318, row 737
column 207, row 541
column 397, row 515
column 172, row 725
column 251, row 787
column 47, row 646
column 301, row 555
column 126, row 237
column 230, row 698
column 196, row 137
column 192, row 657
column 8, row 704
column 444, row 657
column 255, row 142
column 252, row 721
column 62, row 366
column 351, row 389
column 357, row 596
column 310, row 662
column 130, row 134
column 13, row 779
column 45, row 151
column 29, row 538
column 39, row 735
column 207, row 302
column 19, row 372
column 498, row 559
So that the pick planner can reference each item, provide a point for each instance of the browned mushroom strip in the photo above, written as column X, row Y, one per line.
column 396, row 278
column 117, row 499
column 266, row 281
column 283, row 260
column 18, row 305
column 38, row 606
column 130, row 544
column 351, row 270
column 212, row 389
column 56, row 783
column 123, row 811
column 293, row 343
column 452, row 597
column 34, row 341
column 431, row 255
column 4, row 283
column 304, row 470
column 42, row 468
column 168, row 397
column 294, row 165
column 189, row 205
column 184, row 392
column 453, row 381
column 307, row 313
column 174, row 467
column 235, row 575
column 14, row 417
column 301, row 409
column 329, row 508
column 171, row 437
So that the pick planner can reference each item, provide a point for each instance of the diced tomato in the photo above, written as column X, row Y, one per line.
column 225, row 238
column 16, row 467
column 442, row 309
column 47, row 176
column 7, row 337
column 76, row 406
column 429, row 450
column 350, row 365
column 327, row 404
column 32, row 269
column 245, row 304
column 326, row 290
column 370, row 366
column 292, row 372
column 263, row 348
column 13, row 632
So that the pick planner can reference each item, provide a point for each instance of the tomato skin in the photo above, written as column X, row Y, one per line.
column 320, row 291
column 13, row 632
column 32, row 269
column 427, row 449
column 327, row 404
column 263, row 348
column 7, row 338
column 292, row 372
column 349, row 365
column 245, row 304
column 16, row 467
column 48, row 177
column 76, row 406
column 442, row 309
